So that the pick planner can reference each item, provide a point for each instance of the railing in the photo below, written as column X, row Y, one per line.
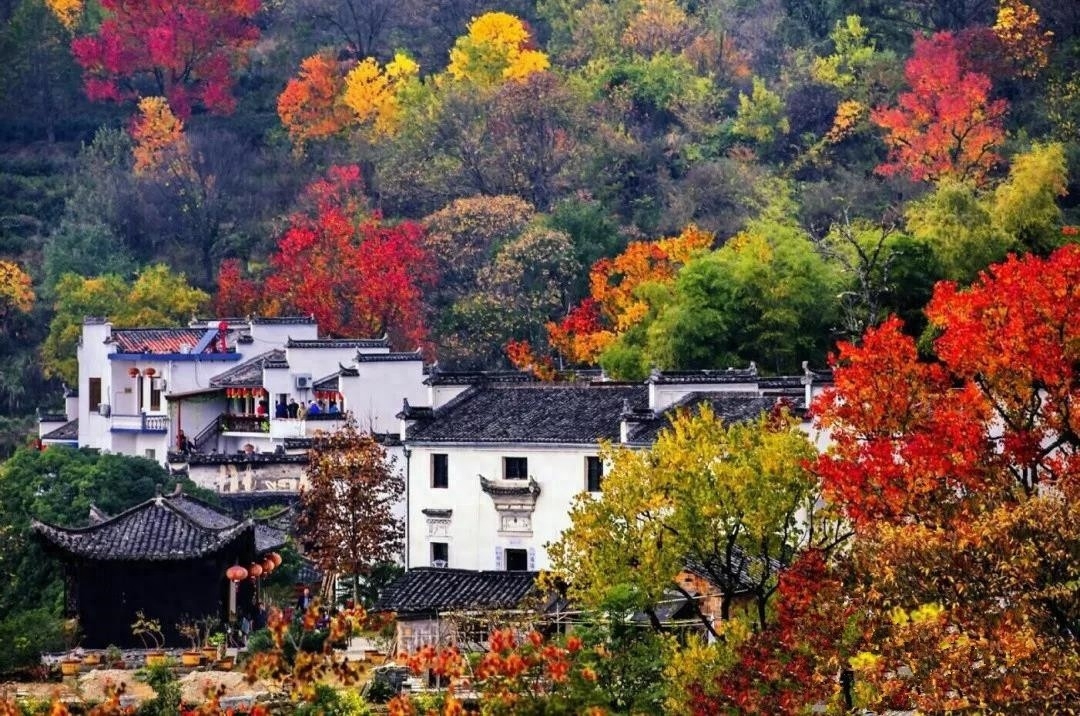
column 244, row 423
column 210, row 432
column 142, row 423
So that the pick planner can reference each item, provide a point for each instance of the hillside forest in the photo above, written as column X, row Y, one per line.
column 551, row 184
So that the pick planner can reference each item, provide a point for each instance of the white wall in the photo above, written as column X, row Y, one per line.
column 375, row 395
column 474, row 535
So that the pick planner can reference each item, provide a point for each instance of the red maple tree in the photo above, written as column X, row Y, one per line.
column 947, row 125
column 340, row 263
column 184, row 50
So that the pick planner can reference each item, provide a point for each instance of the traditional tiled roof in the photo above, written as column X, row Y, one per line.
column 156, row 340
column 67, row 431
column 727, row 375
column 742, row 562
column 389, row 357
column 382, row 342
column 156, row 530
column 426, row 590
column 52, row 418
column 729, row 407
column 477, row 377
column 283, row 320
column 536, row 413
column 249, row 373
column 169, row 527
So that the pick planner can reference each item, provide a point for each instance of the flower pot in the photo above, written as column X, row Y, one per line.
column 156, row 658
column 70, row 667
column 191, row 658
column 210, row 653
column 91, row 659
column 225, row 663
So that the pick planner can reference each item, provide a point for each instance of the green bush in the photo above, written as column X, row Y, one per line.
column 333, row 702
column 25, row 635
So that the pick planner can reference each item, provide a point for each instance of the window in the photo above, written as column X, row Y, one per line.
column 95, row 394
column 440, row 471
column 515, row 468
column 517, row 560
column 440, row 554
column 150, row 453
column 155, row 394
column 140, row 394
column 594, row 473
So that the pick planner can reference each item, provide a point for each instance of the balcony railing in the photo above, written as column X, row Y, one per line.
column 141, row 423
column 244, row 424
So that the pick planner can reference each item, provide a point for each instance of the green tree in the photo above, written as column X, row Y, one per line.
column 58, row 486
column 725, row 497
column 761, row 116
column 1025, row 204
column 766, row 296
column 958, row 225
column 157, row 297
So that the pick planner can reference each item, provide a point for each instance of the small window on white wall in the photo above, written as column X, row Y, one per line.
column 150, row 453
column 594, row 473
column 515, row 468
column 440, row 554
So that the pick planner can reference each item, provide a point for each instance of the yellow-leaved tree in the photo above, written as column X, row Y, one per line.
column 498, row 47
column 160, row 143
column 157, row 297
column 67, row 12
column 374, row 93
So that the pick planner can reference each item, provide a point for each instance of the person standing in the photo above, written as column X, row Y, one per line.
column 293, row 408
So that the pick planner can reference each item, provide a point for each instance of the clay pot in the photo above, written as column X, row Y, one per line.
column 156, row 658
column 70, row 667
column 191, row 658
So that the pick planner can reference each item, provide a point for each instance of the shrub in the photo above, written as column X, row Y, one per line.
column 25, row 635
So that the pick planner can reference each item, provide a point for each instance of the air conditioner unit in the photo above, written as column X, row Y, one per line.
column 440, row 563
column 104, row 410
column 303, row 382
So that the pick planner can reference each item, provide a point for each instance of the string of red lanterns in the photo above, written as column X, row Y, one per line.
column 246, row 393
column 328, row 395
column 238, row 573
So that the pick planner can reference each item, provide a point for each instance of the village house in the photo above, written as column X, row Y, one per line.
column 495, row 460
column 212, row 400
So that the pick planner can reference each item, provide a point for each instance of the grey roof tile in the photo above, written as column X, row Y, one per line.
column 532, row 413
column 67, row 431
column 425, row 590
column 249, row 373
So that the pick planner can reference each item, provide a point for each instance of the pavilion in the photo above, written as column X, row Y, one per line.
column 166, row 557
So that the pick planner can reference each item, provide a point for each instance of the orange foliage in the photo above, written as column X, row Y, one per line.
column 947, row 125
column 160, row 143
column 613, row 306
column 310, row 106
column 515, row 675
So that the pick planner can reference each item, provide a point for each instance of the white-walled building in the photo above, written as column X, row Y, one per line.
column 494, row 462
column 205, row 398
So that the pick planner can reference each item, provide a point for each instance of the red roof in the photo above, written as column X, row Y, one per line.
column 156, row 340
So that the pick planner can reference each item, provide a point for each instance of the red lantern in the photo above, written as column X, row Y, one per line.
column 255, row 570
column 268, row 565
column 236, row 573
column 149, row 372
column 276, row 559
column 133, row 372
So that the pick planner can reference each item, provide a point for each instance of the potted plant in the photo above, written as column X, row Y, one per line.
column 92, row 658
column 114, row 657
column 211, row 644
column 191, row 629
column 69, row 665
column 149, row 632
column 215, row 644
